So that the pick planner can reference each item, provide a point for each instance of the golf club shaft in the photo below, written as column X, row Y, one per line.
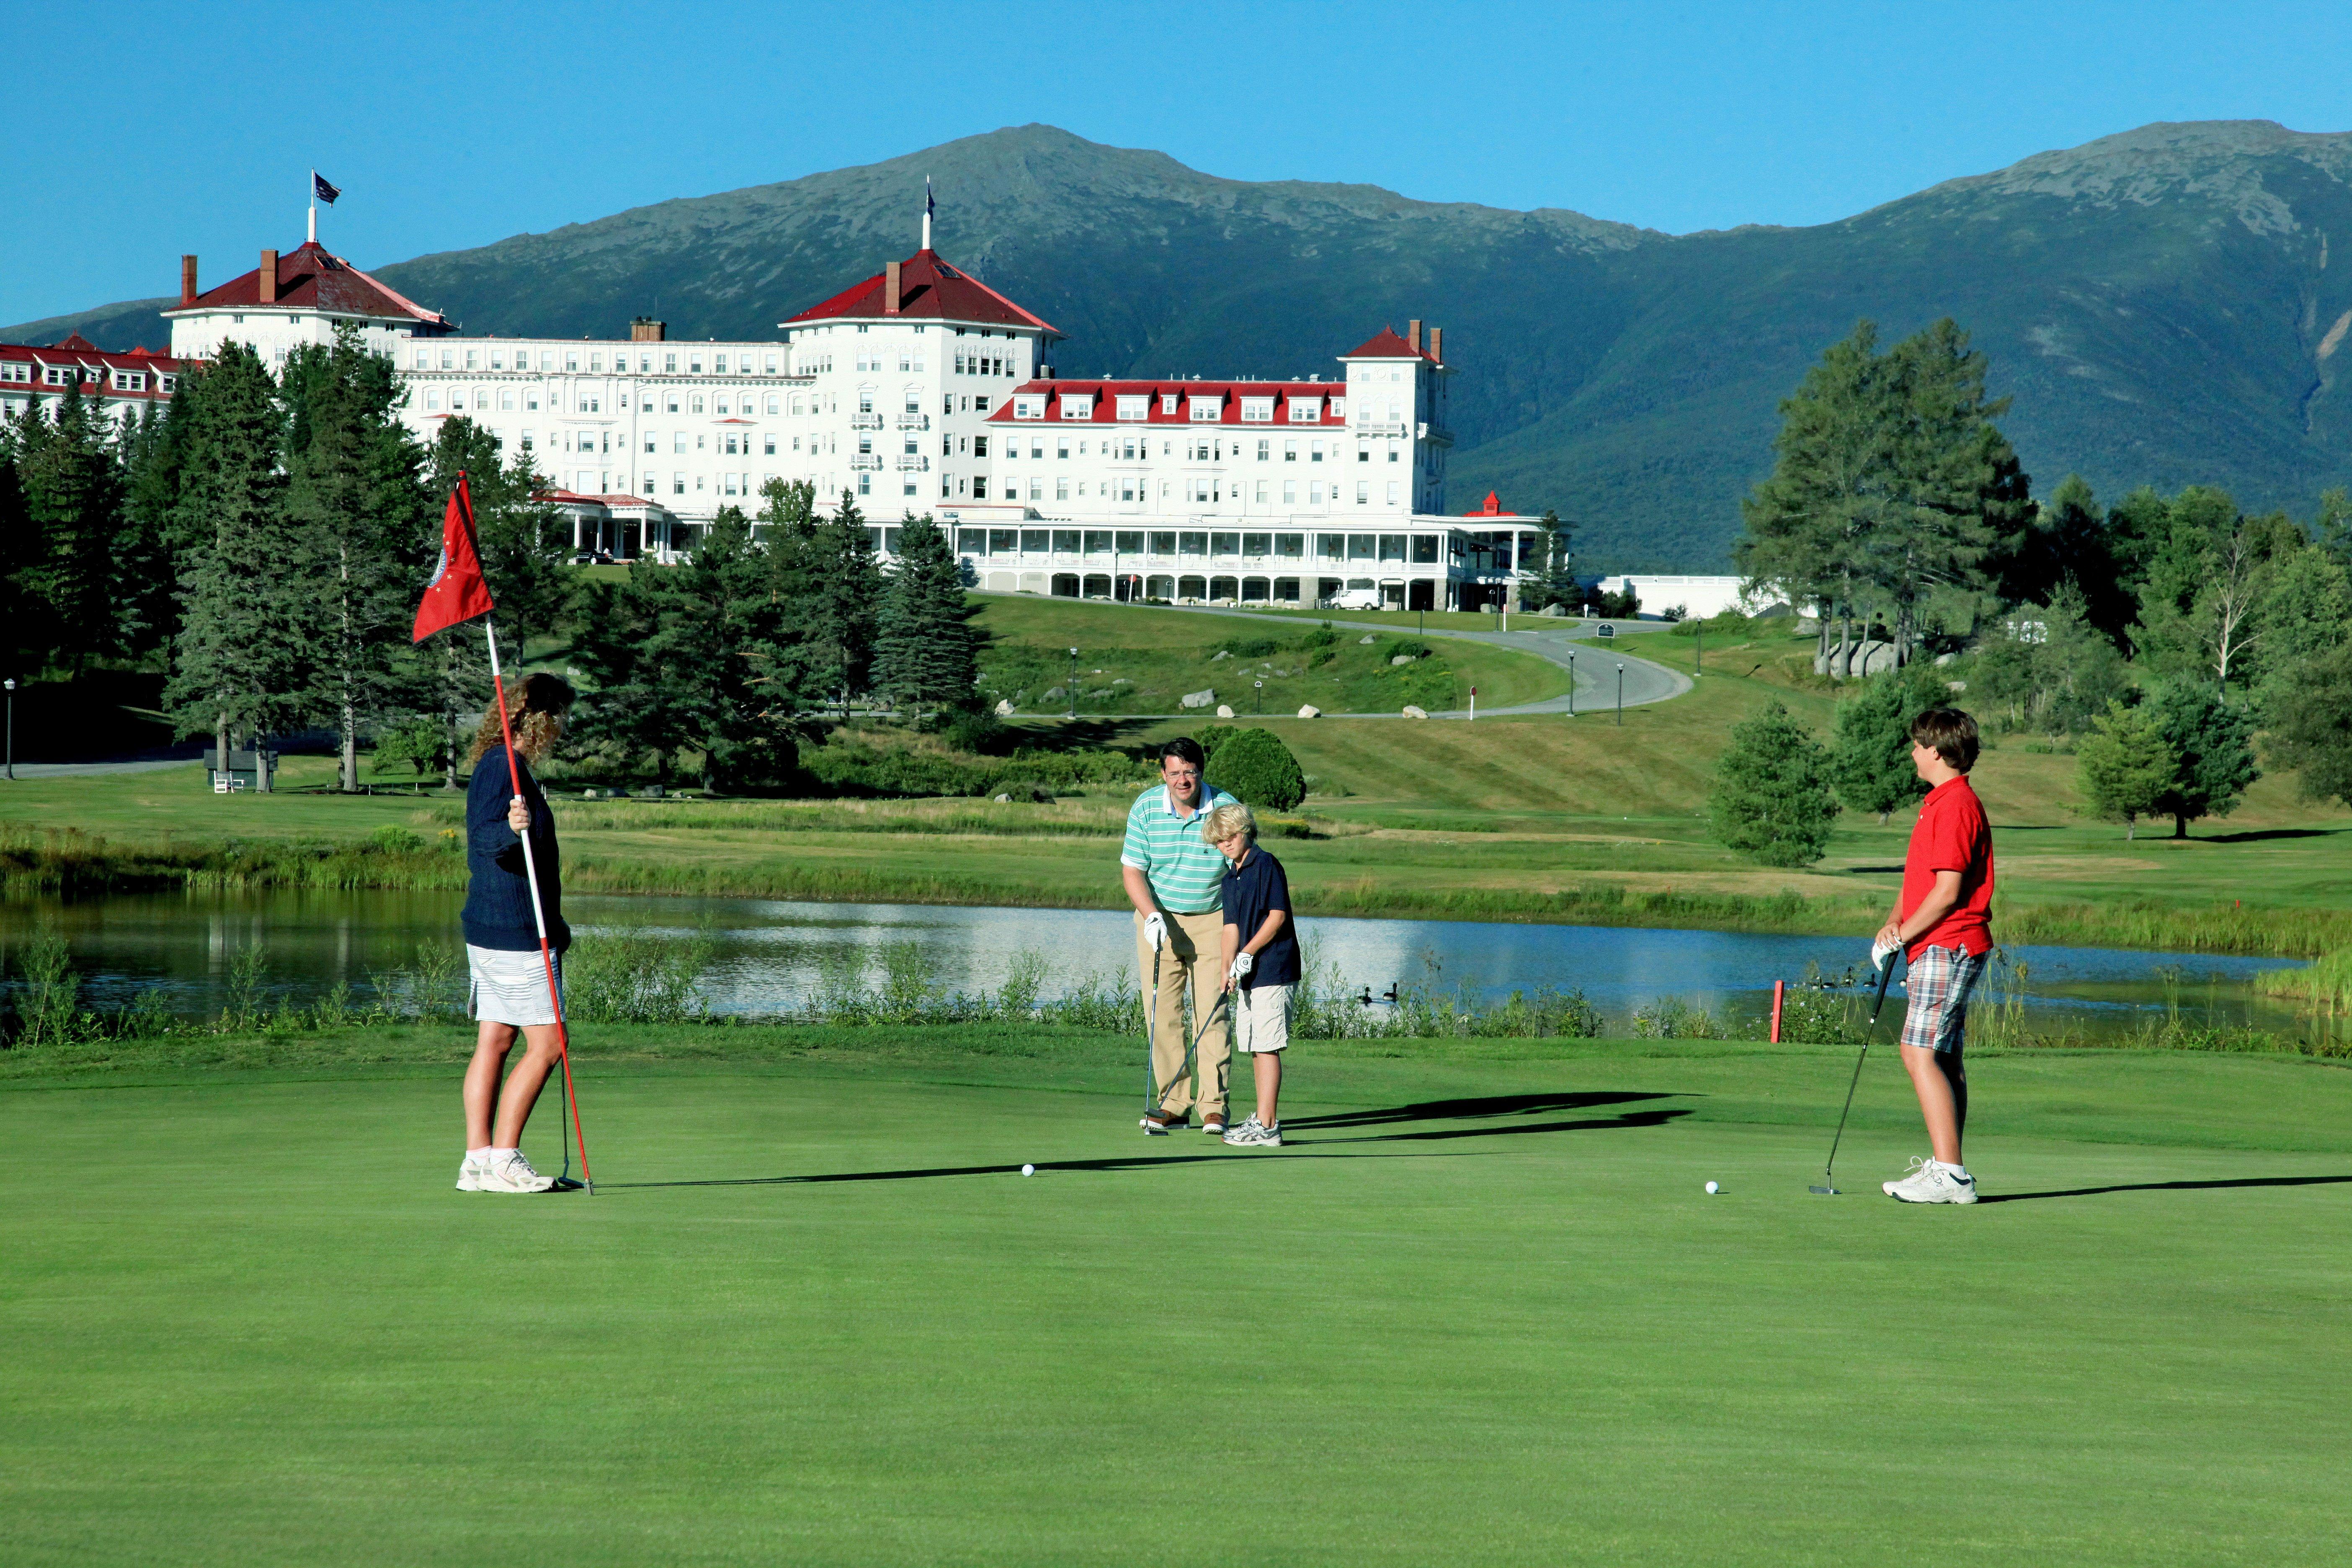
column 1152, row 1037
column 1886, row 973
column 1184, row 1069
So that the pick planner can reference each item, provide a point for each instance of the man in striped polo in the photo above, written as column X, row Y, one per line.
column 1175, row 879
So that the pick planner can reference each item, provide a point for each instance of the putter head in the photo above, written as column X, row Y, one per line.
column 1825, row 1192
column 570, row 1184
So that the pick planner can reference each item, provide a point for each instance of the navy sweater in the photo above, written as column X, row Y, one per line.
column 497, row 899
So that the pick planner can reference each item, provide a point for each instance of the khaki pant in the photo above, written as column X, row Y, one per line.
column 1195, row 949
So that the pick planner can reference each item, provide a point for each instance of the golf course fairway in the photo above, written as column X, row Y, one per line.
column 1480, row 1311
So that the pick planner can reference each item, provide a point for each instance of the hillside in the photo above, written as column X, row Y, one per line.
column 2160, row 304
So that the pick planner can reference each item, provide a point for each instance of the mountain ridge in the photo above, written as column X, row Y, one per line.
column 2156, row 301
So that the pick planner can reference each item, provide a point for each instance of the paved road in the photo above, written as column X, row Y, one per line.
column 1575, row 645
column 75, row 770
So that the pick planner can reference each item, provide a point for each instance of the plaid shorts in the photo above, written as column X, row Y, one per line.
column 1939, row 984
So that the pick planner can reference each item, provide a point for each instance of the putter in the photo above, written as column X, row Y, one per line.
column 1152, row 1036
column 1827, row 1187
column 1198, row 1034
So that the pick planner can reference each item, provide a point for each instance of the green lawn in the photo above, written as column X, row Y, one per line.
column 1481, row 1311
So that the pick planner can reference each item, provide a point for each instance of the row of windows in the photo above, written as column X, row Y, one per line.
column 1208, row 489
column 722, row 362
column 1128, row 449
column 670, row 402
column 86, row 375
column 1209, row 410
column 1417, row 549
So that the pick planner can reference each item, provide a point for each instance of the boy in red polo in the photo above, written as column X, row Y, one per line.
column 1942, row 921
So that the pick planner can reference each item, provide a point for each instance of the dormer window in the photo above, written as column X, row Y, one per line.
column 1306, row 410
column 1168, row 403
column 1028, row 408
column 1205, row 409
column 1078, row 407
column 1258, row 410
column 1135, row 407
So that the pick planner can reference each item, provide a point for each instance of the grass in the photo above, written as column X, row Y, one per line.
column 1479, row 1313
column 1143, row 662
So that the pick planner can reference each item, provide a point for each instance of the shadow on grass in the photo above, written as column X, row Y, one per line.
column 2256, row 836
column 1458, row 1110
column 2171, row 1187
column 1635, row 1120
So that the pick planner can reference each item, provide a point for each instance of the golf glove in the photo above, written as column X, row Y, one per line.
column 1155, row 929
column 1243, row 964
column 1879, row 954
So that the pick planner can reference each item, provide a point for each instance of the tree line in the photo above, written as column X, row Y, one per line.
column 264, row 538
column 2172, row 642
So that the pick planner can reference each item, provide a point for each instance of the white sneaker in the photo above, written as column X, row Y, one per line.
column 1910, row 1172
column 1935, row 1182
column 1255, row 1134
column 471, row 1172
column 514, row 1175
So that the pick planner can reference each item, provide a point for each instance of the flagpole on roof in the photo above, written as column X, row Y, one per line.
column 314, row 206
column 927, row 204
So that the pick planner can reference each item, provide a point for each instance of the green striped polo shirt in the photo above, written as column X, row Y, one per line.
column 1187, row 873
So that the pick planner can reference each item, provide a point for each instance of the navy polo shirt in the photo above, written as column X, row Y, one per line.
column 1251, row 893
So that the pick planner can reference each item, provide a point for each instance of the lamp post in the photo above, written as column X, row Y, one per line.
column 11, row 684
column 1621, row 696
column 1073, row 683
column 1571, row 683
column 1261, row 697
column 1698, row 650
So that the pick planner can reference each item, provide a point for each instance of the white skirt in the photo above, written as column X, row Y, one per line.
column 510, row 987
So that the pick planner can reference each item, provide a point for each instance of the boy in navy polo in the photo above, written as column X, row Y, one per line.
column 1261, row 954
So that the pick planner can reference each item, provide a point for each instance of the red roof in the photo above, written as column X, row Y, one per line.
column 80, row 350
column 576, row 497
column 1229, row 393
column 1386, row 344
column 312, row 278
column 928, row 290
column 1494, row 508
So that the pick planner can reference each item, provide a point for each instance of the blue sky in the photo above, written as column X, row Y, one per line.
column 146, row 130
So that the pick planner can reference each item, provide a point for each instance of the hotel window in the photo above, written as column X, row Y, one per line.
column 473, row 359
column 448, row 359
column 1362, row 546
column 1363, row 451
column 1392, row 546
column 597, row 361
column 1394, row 489
column 1260, row 497
column 1363, row 493
column 482, row 398
column 1314, row 494
column 506, row 399
column 680, row 442
column 1330, row 547
column 770, row 439
column 695, row 402
column 432, row 399
column 1204, row 409
column 1134, row 408
column 1306, row 410
column 670, row 364
column 694, row 364
column 1036, row 488
column 1317, row 455
column 772, row 404
column 772, row 365
column 649, row 441
column 424, row 359
column 1258, row 410
column 719, row 363
column 1168, row 403
column 1290, row 451
column 1290, row 492
column 531, row 397
column 528, row 438
column 1061, row 489
column 571, row 359
column 1290, row 546
column 1424, row 549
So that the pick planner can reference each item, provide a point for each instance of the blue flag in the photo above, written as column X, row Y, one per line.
column 323, row 191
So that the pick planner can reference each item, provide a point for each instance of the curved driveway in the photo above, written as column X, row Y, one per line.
column 1575, row 645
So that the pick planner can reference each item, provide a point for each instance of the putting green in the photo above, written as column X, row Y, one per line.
column 1480, row 1311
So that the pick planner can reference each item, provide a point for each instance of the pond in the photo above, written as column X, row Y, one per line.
column 769, row 953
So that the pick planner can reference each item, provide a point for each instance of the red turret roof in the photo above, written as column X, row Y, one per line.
column 312, row 278
column 928, row 290
column 1386, row 344
column 1494, row 508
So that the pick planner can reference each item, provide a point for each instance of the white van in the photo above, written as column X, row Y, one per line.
column 1354, row 599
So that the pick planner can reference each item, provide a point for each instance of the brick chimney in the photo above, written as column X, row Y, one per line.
column 889, row 288
column 1413, row 336
column 188, row 280
column 1437, row 344
column 269, row 280
column 646, row 329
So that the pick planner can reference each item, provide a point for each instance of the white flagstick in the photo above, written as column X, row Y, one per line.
column 538, row 910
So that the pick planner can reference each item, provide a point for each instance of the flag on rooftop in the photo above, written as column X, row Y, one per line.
column 323, row 191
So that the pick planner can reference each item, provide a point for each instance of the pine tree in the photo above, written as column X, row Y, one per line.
column 1870, row 750
column 2310, row 714
column 356, row 496
column 841, row 600
column 1772, row 800
column 521, row 537
column 18, row 654
column 73, row 499
column 148, row 557
column 2122, row 766
column 2212, row 742
column 244, row 655
column 924, row 647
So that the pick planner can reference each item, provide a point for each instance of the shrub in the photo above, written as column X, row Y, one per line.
column 1256, row 647
column 1255, row 767
column 1771, row 800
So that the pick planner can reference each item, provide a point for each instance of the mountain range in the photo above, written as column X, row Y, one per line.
column 2167, row 306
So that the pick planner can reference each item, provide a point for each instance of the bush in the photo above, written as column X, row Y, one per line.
column 1256, row 647
column 1256, row 768
column 1771, row 800
column 980, row 733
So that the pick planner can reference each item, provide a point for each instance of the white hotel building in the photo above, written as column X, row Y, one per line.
column 922, row 390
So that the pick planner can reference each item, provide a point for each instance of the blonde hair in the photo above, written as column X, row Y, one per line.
column 1227, row 820
column 545, row 699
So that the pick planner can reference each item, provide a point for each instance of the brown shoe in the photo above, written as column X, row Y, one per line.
column 1212, row 1122
column 1160, row 1123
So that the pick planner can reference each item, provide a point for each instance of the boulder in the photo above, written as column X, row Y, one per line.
column 1225, row 710
column 1200, row 699
column 1311, row 712
column 1054, row 695
column 1555, row 611
column 1367, row 640
column 1004, row 800
column 1400, row 658
column 1005, row 707
column 1413, row 712
column 1221, row 653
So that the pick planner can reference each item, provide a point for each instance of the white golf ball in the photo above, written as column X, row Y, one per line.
column 1032, row 1170
column 1710, row 1187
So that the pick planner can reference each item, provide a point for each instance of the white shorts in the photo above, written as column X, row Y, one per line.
column 1261, row 1018
column 510, row 987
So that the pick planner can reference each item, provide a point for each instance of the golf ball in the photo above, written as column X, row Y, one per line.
column 1710, row 1186
column 1032, row 1170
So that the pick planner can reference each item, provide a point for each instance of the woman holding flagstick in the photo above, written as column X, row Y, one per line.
column 513, row 870
column 514, row 985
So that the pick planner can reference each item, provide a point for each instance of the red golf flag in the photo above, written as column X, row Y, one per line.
column 456, row 591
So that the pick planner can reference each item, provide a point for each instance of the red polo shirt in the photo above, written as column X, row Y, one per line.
column 1951, row 835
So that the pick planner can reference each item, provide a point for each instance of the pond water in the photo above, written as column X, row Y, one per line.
column 769, row 953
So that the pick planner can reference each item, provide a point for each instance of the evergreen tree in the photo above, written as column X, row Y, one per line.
column 750, row 704
column 924, row 649
column 840, row 599
column 2046, row 668
column 2213, row 743
column 2310, row 711
column 73, row 501
column 244, row 655
column 2305, row 614
column 1870, row 748
column 19, row 656
column 521, row 537
column 149, row 554
column 355, row 494
column 1772, row 800
column 2122, row 766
